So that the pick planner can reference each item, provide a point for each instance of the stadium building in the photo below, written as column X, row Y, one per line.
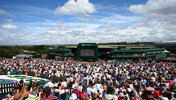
column 124, row 54
column 169, row 46
column 59, row 52
column 93, row 52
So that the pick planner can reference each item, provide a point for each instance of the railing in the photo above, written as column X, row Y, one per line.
column 8, row 88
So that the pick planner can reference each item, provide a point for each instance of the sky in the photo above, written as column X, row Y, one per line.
column 50, row 22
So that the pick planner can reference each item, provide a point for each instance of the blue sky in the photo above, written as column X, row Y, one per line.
column 28, row 22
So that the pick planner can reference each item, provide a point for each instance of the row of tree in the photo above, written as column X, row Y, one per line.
column 10, row 51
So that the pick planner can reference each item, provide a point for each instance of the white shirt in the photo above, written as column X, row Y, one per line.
column 116, row 91
column 98, row 85
column 108, row 97
column 163, row 98
column 50, row 84
column 64, row 84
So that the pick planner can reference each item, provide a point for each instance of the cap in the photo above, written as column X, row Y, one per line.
column 73, row 96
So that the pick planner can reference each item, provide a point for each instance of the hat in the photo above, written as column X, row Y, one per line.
column 57, row 90
column 62, row 91
column 156, row 93
column 76, row 87
column 100, row 96
column 73, row 96
column 62, row 87
column 129, row 89
column 132, row 98
column 66, row 90
column 171, row 83
column 121, row 95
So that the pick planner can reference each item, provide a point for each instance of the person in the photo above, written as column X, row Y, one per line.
column 130, row 80
column 56, row 83
column 121, row 97
column 84, row 98
column 50, row 84
column 20, row 85
column 84, row 94
column 47, row 94
column 105, row 88
column 62, row 95
column 110, row 89
column 108, row 96
column 89, row 91
column 23, row 94
column 34, row 94
column 2, row 96
column 35, row 84
column 15, row 90
column 74, row 97
column 67, row 95
column 77, row 92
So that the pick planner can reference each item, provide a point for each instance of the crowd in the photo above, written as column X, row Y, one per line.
column 95, row 80
column 170, row 58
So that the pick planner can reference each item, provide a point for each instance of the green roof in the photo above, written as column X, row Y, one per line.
column 87, row 44
column 60, row 51
column 155, row 52
column 138, row 50
column 161, row 55
column 123, row 55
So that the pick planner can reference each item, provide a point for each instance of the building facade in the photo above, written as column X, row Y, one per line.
column 93, row 52
column 125, row 54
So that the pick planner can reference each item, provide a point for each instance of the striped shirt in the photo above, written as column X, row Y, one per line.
column 32, row 96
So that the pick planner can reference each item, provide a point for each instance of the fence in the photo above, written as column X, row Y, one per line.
column 8, row 88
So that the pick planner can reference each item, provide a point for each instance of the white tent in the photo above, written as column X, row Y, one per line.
column 23, row 56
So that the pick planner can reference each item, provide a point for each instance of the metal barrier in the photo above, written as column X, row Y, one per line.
column 8, row 88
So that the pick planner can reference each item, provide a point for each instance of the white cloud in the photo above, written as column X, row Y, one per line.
column 72, row 25
column 2, row 12
column 75, row 7
column 110, row 32
column 159, row 24
column 153, row 26
column 9, row 26
column 120, row 19
column 56, row 31
column 82, row 26
column 141, row 32
column 17, row 38
column 29, row 10
column 155, row 8
column 8, row 20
